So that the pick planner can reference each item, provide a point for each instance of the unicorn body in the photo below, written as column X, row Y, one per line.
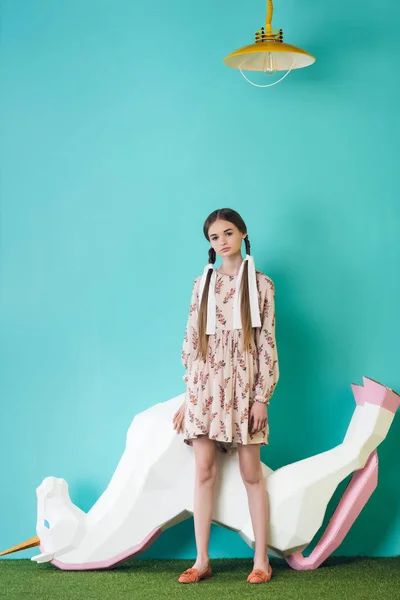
column 152, row 490
column 147, row 493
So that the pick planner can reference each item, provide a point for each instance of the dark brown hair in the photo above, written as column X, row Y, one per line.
column 226, row 214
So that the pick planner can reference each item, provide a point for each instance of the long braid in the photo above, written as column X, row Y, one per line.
column 202, row 317
column 247, row 328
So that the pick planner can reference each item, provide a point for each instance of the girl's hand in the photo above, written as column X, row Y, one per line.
column 258, row 417
column 179, row 419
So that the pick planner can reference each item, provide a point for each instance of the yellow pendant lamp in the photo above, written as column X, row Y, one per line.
column 269, row 53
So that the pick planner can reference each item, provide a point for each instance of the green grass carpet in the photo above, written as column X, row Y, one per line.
column 338, row 578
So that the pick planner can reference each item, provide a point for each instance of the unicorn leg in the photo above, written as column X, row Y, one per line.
column 355, row 497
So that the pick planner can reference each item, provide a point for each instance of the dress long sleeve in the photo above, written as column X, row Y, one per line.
column 268, row 366
column 191, row 338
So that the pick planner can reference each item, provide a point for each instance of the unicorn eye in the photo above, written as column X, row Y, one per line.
column 46, row 524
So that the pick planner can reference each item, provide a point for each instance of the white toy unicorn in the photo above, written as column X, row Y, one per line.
column 148, row 493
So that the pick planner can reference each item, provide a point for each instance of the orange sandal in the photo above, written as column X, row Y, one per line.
column 260, row 576
column 193, row 576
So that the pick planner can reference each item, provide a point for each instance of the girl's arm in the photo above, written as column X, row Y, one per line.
column 268, row 371
column 191, row 338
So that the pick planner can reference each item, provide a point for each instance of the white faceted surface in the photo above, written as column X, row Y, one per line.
column 152, row 490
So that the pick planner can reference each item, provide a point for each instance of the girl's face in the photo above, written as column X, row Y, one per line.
column 225, row 238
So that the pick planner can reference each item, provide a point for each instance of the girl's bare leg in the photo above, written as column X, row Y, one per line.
column 251, row 472
column 205, row 451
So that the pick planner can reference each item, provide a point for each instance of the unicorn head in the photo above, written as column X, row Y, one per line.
column 60, row 524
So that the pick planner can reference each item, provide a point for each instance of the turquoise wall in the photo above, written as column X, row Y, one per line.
column 122, row 130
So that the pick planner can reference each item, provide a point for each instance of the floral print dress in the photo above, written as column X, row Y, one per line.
column 221, row 389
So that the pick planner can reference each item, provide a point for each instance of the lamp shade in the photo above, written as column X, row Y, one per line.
column 254, row 57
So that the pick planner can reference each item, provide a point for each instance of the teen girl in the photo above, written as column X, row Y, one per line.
column 230, row 355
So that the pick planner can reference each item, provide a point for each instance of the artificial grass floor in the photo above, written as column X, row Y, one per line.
column 348, row 578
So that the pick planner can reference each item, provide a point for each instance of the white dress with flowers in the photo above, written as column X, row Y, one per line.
column 221, row 389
